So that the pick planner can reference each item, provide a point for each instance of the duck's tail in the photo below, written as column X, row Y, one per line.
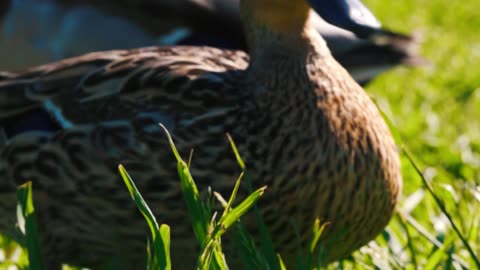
column 384, row 50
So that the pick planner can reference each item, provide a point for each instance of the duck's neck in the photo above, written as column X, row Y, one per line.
column 271, row 51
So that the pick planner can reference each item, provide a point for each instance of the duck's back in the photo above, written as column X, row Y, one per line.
column 67, row 126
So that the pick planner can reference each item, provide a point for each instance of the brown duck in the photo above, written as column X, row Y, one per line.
column 307, row 129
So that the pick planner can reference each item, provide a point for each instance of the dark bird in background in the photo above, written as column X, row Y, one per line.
column 39, row 31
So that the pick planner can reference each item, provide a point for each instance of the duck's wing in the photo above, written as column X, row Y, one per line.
column 106, row 86
column 368, row 59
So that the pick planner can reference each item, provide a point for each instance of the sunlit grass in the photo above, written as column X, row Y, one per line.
column 435, row 111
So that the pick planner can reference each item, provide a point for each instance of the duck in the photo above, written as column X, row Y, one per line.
column 39, row 31
column 306, row 129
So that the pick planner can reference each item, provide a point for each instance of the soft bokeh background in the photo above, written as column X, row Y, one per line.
column 435, row 111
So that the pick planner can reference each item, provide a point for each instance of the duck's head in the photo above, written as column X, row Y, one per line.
column 291, row 15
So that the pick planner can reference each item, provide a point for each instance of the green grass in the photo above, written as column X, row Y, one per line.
column 436, row 111
column 28, row 226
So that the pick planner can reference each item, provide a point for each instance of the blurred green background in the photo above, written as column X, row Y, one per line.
column 436, row 109
column 436, row 112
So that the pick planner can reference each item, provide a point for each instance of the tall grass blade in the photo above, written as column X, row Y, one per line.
column 229, row 204
column 281, row 263
column 160, row 236
column 196, row 209
column 442, row 207
column 236, row 153
column 266, row 244
column 234, row 215
column 28, row 226
column 212, row 255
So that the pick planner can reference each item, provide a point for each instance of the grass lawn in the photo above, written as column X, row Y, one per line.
column 435, row 112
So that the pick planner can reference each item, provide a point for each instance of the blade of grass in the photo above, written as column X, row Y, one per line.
column 212, row 257
column 160, row 236
column 317, row 232
column 424, row 233
column 281, row 263
column 266, row 243
column 233, row 195
column 435, row 260
column 442, row 207
column 196, row 210
column 28, row 226
column 236, row 153
column 231, row 217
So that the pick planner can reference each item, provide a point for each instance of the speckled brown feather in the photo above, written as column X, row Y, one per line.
column 306, row 128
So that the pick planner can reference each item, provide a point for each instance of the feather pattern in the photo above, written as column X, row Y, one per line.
column 307, row 129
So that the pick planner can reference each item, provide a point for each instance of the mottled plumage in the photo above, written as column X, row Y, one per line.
column 307, row 130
